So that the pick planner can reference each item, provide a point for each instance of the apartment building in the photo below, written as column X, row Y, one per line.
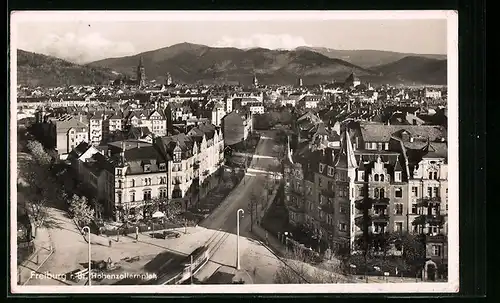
column 152, row 119
column 66, row 132
column 404, row 177
column 176, row 113
column 236, row 126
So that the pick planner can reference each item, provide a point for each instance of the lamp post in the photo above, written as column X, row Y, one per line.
column 286, row 241
column 238, row 236
column 87, row 229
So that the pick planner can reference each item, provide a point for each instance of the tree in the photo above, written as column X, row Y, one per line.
column 252, row 205
column 81, row 210
column 413, row 247
column 173, row 208
column 39, row 154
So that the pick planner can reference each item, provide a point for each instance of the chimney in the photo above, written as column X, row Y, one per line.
column 138, row 144
column 109, row 152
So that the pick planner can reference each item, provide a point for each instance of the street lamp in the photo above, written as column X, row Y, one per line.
column 286, row 241
column 87, row 229
column 238, row 237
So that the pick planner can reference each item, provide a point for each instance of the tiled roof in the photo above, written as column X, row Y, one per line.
column 376, row 132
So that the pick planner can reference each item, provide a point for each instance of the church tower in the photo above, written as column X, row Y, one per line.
column 141, row 74
column 168, row 80
column 255, row 81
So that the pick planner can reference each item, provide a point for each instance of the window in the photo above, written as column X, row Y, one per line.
column 436, row 191
column 375, row 177
column 132, row 197
column 386, row 146
column 162, row 166
column 436, row 250
column 435, row 175
column 382, row 193
column 380, row 146
column 132, row 183
column 163, row 180
column 429, row 192
column 118, row 171
column 414, row 191
column 361, row 176
column 147, row 194
column 398, row 209
column 414, row 208
column 119, row 197
column 376, row 193
column 147, row 168
column 330, row 171
column 163, row 193
column 398, row 227
column 320, row 182
column 397, row 176
column 430, row 175
column 382, row 178
column 120, row 183
column 342, row 227
column 398, row 192
column 321, row 168
column 342, row 209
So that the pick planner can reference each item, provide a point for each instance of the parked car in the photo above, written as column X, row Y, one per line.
column 171, row 234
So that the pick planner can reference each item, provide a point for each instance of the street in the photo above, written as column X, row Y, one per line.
column 255, row 258
column 224, row 217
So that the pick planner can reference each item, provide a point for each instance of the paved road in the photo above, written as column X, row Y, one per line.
column 224, row 217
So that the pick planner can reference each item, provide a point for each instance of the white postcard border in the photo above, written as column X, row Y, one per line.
column 113, row 16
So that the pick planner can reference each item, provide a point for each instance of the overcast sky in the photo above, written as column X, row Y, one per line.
column 84, row 39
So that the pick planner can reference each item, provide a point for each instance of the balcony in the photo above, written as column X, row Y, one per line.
column 328, row 193
column 437, row 238
column 434, row 220
column 426, row 201
column 359, row 221
column 380, row 218
column 328, row 208
column 381, row 201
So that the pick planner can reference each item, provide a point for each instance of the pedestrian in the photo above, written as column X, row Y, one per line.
column 267, row 241
column 254, row 271
column 110, row 243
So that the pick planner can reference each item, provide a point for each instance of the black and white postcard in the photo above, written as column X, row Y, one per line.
column 234, row 152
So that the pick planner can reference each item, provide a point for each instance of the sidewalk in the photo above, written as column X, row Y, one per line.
column 272, row 242
column 43, row 250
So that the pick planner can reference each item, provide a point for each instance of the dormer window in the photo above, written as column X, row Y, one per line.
column 177, row 156
column 147, row 168
column 321, row 168
column 397, row 176
column 162, row 166
column 381, row 178
column 361, row 175
column 330, row 171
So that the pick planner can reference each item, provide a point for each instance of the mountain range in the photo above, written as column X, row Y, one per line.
column 190, row 63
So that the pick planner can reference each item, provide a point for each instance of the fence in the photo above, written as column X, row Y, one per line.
column 145, row 228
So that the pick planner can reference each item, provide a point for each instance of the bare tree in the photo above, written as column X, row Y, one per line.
column 252, row 206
